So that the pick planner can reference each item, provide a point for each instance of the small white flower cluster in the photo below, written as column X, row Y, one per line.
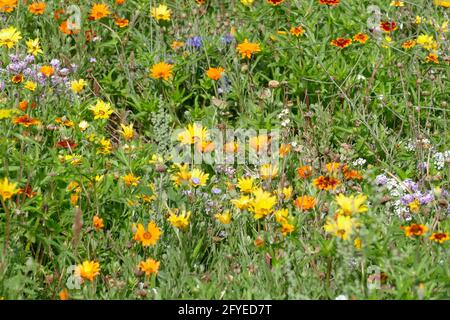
column 284, row 117
column 424, row 143
column 440, row 158
column 396, row 190
column 359, row 162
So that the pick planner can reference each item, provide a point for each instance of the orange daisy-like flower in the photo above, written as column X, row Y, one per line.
column 149, row 266
column 7, row 5
column 351, row 174
column 99, row 11
column 161, row 70
column 409, row 44
column 64, row 28
column 326, row 183
column 18, row 78
column 215, row 73
column 246, row 49
column 440, row 237
column 305, row 203
column 97, row 222
column 121, row 23
column 119, row 2
column 361, row 37
column 341, row 42
column 415, row 230
column 297, row 31
column 304, row 172
column 47, row 71
column 37, row 8
column 88, row 270
column 330, row 2
column 26, row 121
column 432, row 57
column 147, row 237
column 388, row 26
column 176, row 45
column 275, row 2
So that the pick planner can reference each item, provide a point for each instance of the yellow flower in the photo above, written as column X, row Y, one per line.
column 262, row 203
column 182, row 176
column 242, row 203
column 268, row 171
column 287, row 193
column 341, row 226
column 30, row 85
column 418, row 19
column 78, row 85
column 351, row 205
column 101, row 110
column 9, row 37
column 414, row 206
column 162, row 12
column 442, row 3
column 397, row 4
column 357, row 243
column 427, row 42
column 198, row 178
column 88, row 270
column 332, row 166
column 281, row 215
column 127, row 131
column 161, row 70
column 180, row 221
column 147, row 237
column 192, row 134
column 245, row 184
column 105, row 146
column 224, row 218
column 7, row 113
column 7, row 189
column 83, row 125
column 33, row 46
column 247, row 2
column 386, row 42
column 131, row 180
column 246, row 49
column 149, row 266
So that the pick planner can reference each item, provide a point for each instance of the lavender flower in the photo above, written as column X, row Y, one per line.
column 194, row 42
column 381, row 180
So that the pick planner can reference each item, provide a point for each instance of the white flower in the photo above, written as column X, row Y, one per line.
column 341, row 297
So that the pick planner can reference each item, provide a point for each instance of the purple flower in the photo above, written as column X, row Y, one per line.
column 407, row 199
column 411, row 185
column 427, row 198
column 195, row 181
column 92, row 60
column 381, row 180
column 216, row 190
column 227, row 39
column 194, row 42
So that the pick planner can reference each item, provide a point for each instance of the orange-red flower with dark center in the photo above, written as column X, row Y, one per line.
column 330, row 2
column 67, row 144
column 415, row 230
column 26, row 121
column 341, row 42
column 304, row 172
column 275, row 2
column 388, row 26
column 18, row 78
column 326, row 183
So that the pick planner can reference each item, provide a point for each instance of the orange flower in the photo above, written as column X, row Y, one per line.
column 26, row 121
column 275, row 2
column 414, row 230
column 305, row 203
column 64, row 294
column 121, row 23
column 326, row 183
column 205, row 146
column 88, row 270
column 409, row 44
column 332, row 166
column 246, row 49
column 297, row 31
column 147, row 237
column 341, row 42
column 99, row 11
column 284, row 150
column 352, row 175
column 259, row 143
column 440, row 237
column 161, row 70
column 304, row 172
column 149, row 266
column 176, row 45
column 98, row 223
column 330, row 2
column 231, row 147
column 388, row 26
column 47, row 71
column 7, row 5
column 361, row 37
column 64, row 28
column 18, row 78
column 432, row 57
column 37, row 8
column 119, row 2
column 215, row 73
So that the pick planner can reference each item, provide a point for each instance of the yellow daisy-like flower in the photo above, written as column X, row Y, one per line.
column 127, row 131
column 34, row 46
column 224, row 218
column 162, row 12
column 88, row 270
column 78, row 85
column 245, row 185
column 7, row 189
column 101, row 110
column 268, row 171
column 30, row 85
column 351, row 205
column 192, row 134
column 242, row 203
column 183, row 176
column 198, row 178
column 131, row 180
column 262, row 203
column 180, row 221
column 281, row 215
column 442, row 3
column 341, row 226
column 9, row 37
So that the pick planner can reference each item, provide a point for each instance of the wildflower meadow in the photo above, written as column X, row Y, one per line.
column 236, row 149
